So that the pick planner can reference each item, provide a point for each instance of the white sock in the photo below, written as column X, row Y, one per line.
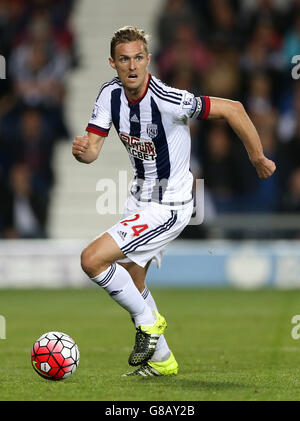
column 120, row 286
column 162, row 351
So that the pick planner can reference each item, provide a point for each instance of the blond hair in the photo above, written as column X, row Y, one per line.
column 128, row 34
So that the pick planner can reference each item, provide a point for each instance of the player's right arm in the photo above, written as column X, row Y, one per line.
column 86, row 148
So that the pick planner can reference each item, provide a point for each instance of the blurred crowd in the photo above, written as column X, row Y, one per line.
column 242, row 50
column 39, row 46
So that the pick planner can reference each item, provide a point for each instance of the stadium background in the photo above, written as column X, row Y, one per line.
column 56, row 59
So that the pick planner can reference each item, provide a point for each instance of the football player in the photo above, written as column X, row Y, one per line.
column 151, row 120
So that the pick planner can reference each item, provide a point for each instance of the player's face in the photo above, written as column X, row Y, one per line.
column 131, row 61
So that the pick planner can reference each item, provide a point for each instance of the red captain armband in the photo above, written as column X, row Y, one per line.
column 201, row 108
column 206, row 108
column 92, row 128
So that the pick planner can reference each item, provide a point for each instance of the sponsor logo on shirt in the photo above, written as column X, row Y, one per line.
column 141, row 149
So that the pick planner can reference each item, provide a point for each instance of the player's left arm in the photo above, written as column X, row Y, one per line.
column 237, row 117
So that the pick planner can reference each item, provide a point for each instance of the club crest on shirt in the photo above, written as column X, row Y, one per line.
column 152, row 130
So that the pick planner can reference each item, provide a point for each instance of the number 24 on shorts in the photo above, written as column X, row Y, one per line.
column 137, row 229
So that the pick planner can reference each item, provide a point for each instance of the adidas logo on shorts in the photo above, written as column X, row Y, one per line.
column 122, row 234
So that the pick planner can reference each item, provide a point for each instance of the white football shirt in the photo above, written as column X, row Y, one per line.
column 155, row 132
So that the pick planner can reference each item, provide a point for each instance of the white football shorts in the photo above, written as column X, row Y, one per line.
column 146, row 228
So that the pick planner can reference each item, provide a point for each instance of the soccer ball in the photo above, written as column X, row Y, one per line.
column 55, row 356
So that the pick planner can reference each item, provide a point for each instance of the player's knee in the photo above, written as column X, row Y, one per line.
column 85, row 260
column 90, row 264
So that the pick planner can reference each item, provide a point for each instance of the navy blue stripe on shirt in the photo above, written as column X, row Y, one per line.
column 98, row 127
column 105, row 85
column 100, row 131
column 115, row 103
column 163, row 165
column 112, row 82
column 176, row 95
column 135, row 130
column 164, row 98
column 165, row 94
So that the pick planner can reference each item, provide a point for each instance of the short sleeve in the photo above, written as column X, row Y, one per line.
column 100, row 122
column 200, row 108
column 193, row 107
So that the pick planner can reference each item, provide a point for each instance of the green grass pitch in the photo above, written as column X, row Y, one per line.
column 230, row 345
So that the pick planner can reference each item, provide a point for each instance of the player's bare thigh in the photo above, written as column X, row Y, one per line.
column 100, row 254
